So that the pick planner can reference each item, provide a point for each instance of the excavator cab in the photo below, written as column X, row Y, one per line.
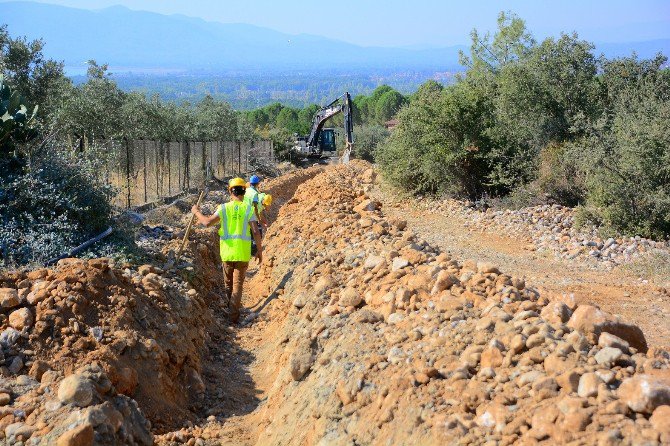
column 327, row 140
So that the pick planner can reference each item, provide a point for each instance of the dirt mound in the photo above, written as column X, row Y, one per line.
column 362, row 334
column 142, row 327
column 381, row 339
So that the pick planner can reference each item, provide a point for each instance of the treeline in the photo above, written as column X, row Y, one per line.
column 53, row 195
column 543, row 121
column 253, row 90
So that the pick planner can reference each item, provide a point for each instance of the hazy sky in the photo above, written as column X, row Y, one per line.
column 420, row 22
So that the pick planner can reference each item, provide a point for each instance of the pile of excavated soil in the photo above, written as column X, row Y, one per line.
column 378, row 338
column 95, row 352
column 365, row 334
column 138, row 331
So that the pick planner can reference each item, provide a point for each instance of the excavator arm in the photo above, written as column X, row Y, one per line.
column 339, row 105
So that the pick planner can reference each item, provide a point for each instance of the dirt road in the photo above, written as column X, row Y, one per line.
column 616, row 291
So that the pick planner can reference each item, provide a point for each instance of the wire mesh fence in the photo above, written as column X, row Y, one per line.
column 145, row 171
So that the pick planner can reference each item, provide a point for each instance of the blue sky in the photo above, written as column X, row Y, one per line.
column 420, row 22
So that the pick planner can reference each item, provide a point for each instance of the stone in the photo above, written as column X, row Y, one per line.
column 9, row 298
column 16, row 365
column 394, row 318
column 545, row 383
column 8, row 337
column 534, row 340
column 76, row 390
column 399, row 263
column 300, row 301
column 81, row 435
column 576, row 421
column 373, row 261
column 38, row 369
column 660, row 419
column 609, row 340
column 445, row 280
column 644, row 393
column 592, row 321
column 18, row 430
column 588, row 385
column 487, row 268
column 301, row 361
column 529, row 377
column 608, row 356
column 350, row 297
column 21, row 318
column 4, row 399
column 491, row 357
column 569, row 381
column 556, row 313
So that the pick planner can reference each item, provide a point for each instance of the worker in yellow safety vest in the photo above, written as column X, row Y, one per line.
column 237, row 224
column 251, row 194
column 264, row 202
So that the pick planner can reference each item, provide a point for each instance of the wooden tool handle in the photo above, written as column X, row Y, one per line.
column 188, row 228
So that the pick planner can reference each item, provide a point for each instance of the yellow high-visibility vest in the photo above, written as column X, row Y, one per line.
column 251, row 196
column 235, row 231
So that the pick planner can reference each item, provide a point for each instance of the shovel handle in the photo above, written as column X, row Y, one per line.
column 189, row 227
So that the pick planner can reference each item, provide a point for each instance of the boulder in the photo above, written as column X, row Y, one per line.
column 21, row 318
column 592, row 322
column 301, row 361
column 588, row 385
column 9, row 298
column 487, row 268
column 399, row 263
column 76, row 390
column 609, row 340
column 81, row 435
column 608, row 356
column 349, row 297
column 445, row 280
column 660, row 419
column 644, row 393
column 556, row 313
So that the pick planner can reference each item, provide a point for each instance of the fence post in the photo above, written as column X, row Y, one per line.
column 144, row 156
column 127, row 172
column 239, row 157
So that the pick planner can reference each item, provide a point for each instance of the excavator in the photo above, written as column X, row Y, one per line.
column 321, row 140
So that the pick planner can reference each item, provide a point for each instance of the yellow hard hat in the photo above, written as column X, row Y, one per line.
column 236, row 182
column 267, row 200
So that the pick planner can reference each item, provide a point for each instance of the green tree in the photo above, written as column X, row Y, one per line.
column 93, row 111
column 439, row 146
column 541, row 100
column 288, row 119
column 388, row 105
column 39, row 80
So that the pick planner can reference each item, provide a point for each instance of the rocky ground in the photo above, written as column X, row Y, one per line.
column 552, row 228
column 358, row 331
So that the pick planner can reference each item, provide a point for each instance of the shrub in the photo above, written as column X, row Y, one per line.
column 438, row 145
column 559, row 177
column 628, row 164
column 55, row 204
column 368, row 137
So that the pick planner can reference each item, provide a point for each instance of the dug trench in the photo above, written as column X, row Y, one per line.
column 361, row 333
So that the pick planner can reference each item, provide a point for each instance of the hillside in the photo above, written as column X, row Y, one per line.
column 135, row 39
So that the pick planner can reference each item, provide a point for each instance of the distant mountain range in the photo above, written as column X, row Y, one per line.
column 135, row 39
column 145, row 42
